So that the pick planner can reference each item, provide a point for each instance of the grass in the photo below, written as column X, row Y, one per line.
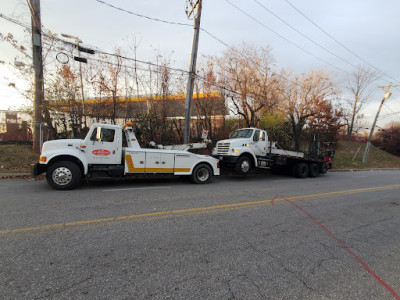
column 19, row 158
column 349, row 155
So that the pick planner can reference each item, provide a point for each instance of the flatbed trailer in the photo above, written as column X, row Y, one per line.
column 250, row 148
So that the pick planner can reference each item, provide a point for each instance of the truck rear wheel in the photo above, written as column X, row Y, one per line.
column 243, row 165
column 201, row 174
column 313, row 170
column 301, row 170
column 324, row 168
column 63, row 175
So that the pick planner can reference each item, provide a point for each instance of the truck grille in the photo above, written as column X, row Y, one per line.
column 223, row 148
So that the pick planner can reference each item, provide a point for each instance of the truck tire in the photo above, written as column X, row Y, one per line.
column 63, row 175
column 201, row 174
column 313, row 170
column 301, row 170
column 324, row 168
column 243, row 165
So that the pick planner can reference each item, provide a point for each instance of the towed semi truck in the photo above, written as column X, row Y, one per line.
column 114, row 151
column 250, row 148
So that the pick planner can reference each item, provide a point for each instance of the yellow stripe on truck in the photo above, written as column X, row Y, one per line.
column 129, row 163
column 182, row 170
column 132, row 169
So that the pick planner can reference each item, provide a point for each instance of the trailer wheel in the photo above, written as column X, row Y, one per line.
column 63, row 175
column 324, row 168
column 201, row 174
column 243, row 165
column 313, row 170
column 301, row 170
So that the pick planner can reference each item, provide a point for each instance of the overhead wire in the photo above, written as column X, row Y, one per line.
column 338, row 42
column 115, row 55
column 71, row 44
column 284, row 38
column 143, row 16
column 304, row 35
column 203, row 30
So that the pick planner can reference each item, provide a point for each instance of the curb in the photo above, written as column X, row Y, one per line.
column 15, row 176
column 366, row 169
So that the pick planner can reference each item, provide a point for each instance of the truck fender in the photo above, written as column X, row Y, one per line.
column 53, row 156
column 251, row 155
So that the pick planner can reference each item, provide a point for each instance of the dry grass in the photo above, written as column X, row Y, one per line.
column 349, row 156
column 17, row 158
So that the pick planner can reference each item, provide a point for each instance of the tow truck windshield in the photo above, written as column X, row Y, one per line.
column 242, row 134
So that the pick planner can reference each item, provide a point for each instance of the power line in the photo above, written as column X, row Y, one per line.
column 212, row 36
column 389, row 115
column 284, row 38
column 143, row 16
column 302, row 34
column 338, row 42
column 71, row 44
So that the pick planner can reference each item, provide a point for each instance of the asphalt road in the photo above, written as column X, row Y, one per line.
column 259, row 237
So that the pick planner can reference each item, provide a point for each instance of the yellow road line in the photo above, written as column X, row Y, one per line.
column 198, row 210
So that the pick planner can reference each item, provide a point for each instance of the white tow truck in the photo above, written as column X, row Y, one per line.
column 249, row 148
column 67, row 161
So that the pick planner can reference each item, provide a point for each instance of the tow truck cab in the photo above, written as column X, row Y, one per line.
column 101, row 151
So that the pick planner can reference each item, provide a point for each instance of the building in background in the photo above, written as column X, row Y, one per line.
column 15, row 126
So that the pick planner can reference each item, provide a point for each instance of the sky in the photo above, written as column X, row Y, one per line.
column 368, row 28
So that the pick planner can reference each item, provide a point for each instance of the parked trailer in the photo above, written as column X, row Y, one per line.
column 250, row 148
column 67, row 161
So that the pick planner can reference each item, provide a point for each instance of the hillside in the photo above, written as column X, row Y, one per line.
column 376, row 157
column 18, row 158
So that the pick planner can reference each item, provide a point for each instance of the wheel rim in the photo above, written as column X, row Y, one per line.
column 62, row 176
column 203, row 174
column 245, row 166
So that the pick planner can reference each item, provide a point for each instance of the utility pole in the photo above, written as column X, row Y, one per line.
column 192, row 69
column 385, row 97
column 77, row 42
column 34, row 7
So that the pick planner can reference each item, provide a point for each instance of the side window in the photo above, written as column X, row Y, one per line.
column 103, row 135
column 256, row 135
column 107, row 135
column 262, row 136
column 94, row 134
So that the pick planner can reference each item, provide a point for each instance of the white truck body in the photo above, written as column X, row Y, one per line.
column 102, row 151
column 249, row 148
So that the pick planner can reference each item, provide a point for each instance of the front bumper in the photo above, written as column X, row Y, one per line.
column 225, row 159
column 38, row 169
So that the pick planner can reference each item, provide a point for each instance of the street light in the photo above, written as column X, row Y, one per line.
column 78, row 41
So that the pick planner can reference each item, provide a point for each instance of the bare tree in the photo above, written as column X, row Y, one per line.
column 358, row 85
column 304, row 96
column 246, row 71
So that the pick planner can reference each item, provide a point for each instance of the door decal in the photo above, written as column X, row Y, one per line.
column 101, row 152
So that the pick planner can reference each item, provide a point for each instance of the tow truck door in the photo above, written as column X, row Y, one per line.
column 104, row 146
column 259, row 142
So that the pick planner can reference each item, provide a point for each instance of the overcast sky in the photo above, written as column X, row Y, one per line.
column 369, row 28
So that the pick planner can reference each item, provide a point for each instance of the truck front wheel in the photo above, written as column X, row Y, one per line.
column 201, row 174
column 243, row 165
column 63, row 175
